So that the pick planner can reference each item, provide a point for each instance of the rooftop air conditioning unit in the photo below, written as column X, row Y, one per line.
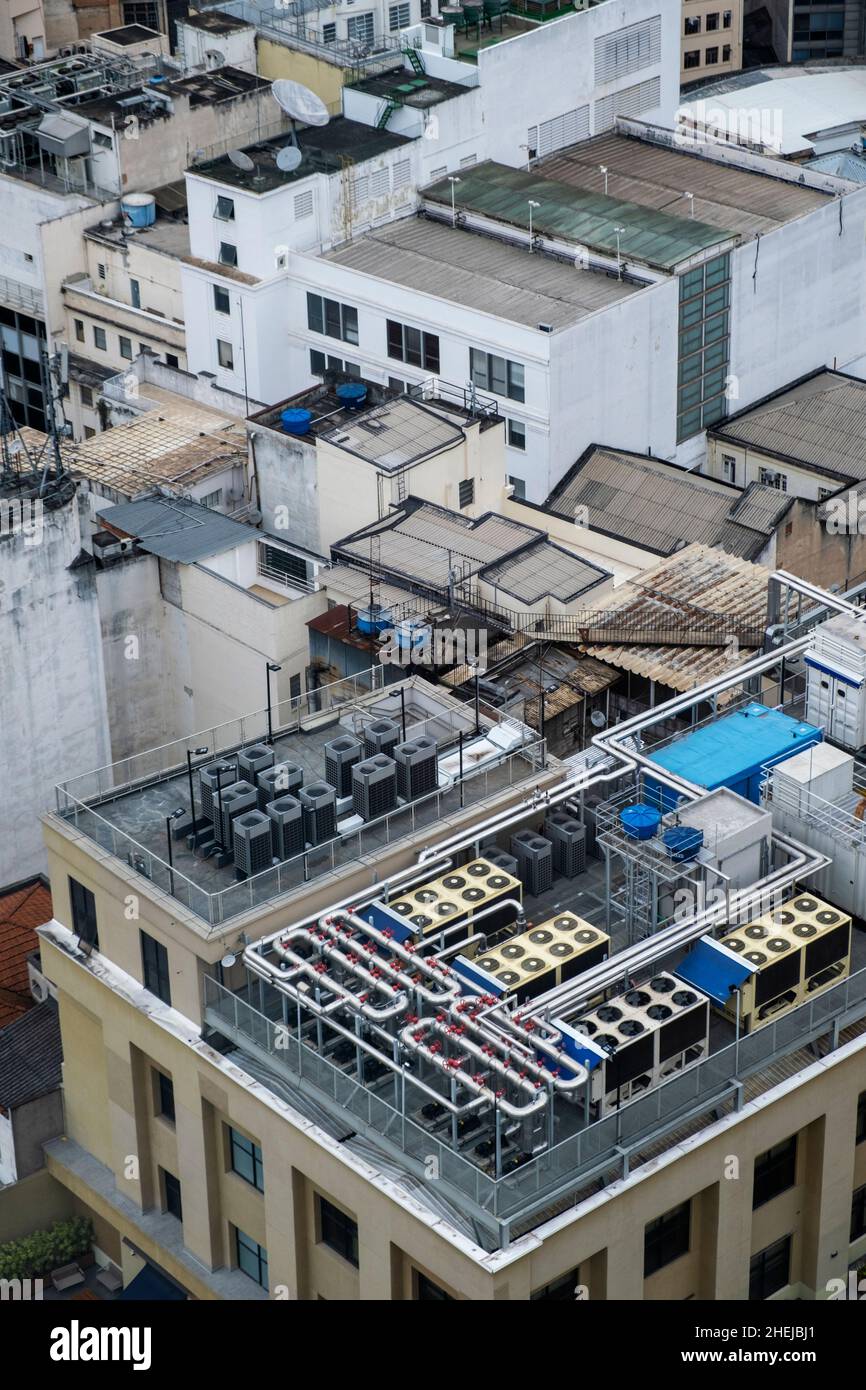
column 502, row 860
column 218, row 774
column 283, row 779
column 252, row 842
column 568, row 838
column 374, row 787
column 233, row 801
column 319, row 801
column 382, row 736
column 341, row 755
column 417, row 767
column 534, row 856
column 286, row 815
column 253, row 760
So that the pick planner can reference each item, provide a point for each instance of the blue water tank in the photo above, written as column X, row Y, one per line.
column 140, row 208
column 640, row 822
column 373, row 619
column 352, row 394
column 296, row 421
column 683, row 841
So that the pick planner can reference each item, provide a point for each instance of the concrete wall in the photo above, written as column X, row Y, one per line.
column 32, row 1205
column 33, row 1124
column 51, row 680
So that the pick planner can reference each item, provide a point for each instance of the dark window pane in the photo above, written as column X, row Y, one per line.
column 83, row 906
column 171, row 1187
column 315, row 320
column 667, row 1238
column 769, row 1270
column 338, row 1231
column 395, row 339
column 775, row 1171
column 154, row 959
column 166, row 1096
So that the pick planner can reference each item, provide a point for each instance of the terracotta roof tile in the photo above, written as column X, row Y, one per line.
column 22, row 909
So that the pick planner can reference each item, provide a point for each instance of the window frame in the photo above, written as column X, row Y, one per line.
column 779, row 1162
column 155, row 967
column 236, row 1143
column 758, row 1266
column 228, row 254
column 485, row 373
column 220, row 292
column 228, row 366
column 165, row 1097
column 397, row 343
column 337, row 1230
column 256, row 1253
column 97, row 334
column 82, row 905
column 664, row 1236
column 171, row 1193
column 220, row 213
column 324, row 314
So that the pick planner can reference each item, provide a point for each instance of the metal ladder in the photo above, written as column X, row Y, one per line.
column 415, row 61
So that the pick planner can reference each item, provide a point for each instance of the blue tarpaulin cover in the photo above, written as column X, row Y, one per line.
column 151, row 1286
column 712, row 971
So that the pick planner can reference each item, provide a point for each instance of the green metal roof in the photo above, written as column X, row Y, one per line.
column 577, row 216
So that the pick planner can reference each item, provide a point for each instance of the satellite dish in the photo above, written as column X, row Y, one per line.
column 299, row 102
column 228, row 960
column 597, row 719
column 288, row 158
column 241, row 161
column 215, row 57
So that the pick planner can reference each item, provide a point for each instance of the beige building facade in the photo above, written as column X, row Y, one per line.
column 712, row 39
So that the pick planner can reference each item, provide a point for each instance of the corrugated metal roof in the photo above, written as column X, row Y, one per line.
column 697, row 578
column 661, row 507
column 395, row 434
column 481, row 273
column 844, row 164
column 578, row 215
column 176, row 529
column 657, row 176
column 820, row 422
column 544, row 570
column 31, row 1056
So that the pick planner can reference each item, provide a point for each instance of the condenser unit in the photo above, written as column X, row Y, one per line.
column 286, row 815
column 252, row 842
column 341, row 755
column 218, row 774
column 374, row 787
column 417, row 767
column 460, row 895
column 253, row 760
column 232, row 802
column 319, row 801
column 568, row 838
column 534, row 856
column 502, row 860
column 382, row 736
column 536, row 960
column 283, row 779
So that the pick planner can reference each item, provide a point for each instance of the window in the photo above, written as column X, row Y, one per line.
column 125, row 347
column 496, row 374
column 360, row 28
column 711, row 56
column 83, row 906
column 338, row 1231
column 99, row 339
column 726, row 19
column 252, row 1258
column 413, row 346
column 295, row 687
column 332, row 319
column 171, row 360
column 466, row 492
column 329, row 33
column 559, row 1290
column 395, row 384
column 861, row 1119
column 704, row 322
column 729, row 468
column 519, row 485
column 212, row 499
column 425, row 9
column 398, row 17
column 771, row 478
column 89, row 431
column 154, row 959
column 693, row 24
column 101, row 139
column 858, row 1214
column 144, row 12
column 86, row 394
column 165, row 1096
column 775, row 1171
column 319, row 364
column 171, row 1194
column 225, row 209
column 769, row 1270
column 221, row 301
column 516, row 434
column 246, row 1159
column 135, row 294
column 428, row 1292
column 79, row 330
column 712, row 22
column 692, row 59
column 726, row 53
column 824, row 493
column 228, row 253
column 666, row 1239
column 225, row 355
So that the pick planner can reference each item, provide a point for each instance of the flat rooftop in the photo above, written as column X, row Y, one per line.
column 577, row 215
column 168, row 235
column 653, row 176
column 819, row 422
column 129, row 34
column 174, row 528
column 782, row 108
column 215, row 22
column 481, row 273
column 407, row 88
column 660, row 507
column 322, row 147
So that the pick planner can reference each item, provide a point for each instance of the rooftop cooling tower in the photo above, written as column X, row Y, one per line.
column 374, row 787
column 319, row 801
column 341, row 755
column 252, row 842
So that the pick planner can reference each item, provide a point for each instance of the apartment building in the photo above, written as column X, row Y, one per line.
column 803, row 32
column 282, row 1153
column 712, row 39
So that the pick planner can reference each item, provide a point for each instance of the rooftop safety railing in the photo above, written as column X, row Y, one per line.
column 696, row 1096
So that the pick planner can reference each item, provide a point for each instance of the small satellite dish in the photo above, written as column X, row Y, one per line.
column 228, row 961
column 597, row 719
column 299, row 102
column 241, row 161
column 215, row 57
column 288, row 158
